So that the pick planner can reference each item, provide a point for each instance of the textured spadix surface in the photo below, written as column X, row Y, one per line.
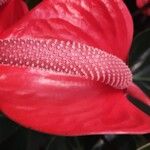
column 72, row 102
column 68, row 58
column 60, row 87
column 100, row 23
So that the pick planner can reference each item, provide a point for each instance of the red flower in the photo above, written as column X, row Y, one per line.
column 10, row 12
column 142, row 4
column 53, row 79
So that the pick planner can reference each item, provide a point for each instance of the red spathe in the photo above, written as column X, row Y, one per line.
column 65, row 105
column 11, row 12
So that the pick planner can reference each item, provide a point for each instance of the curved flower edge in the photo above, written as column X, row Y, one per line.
column 73, row 19
column 38, row 95
column 82, row 108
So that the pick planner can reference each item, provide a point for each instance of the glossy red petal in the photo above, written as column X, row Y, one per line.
column 58, row 102
column 105, row 24
column 67, row 106
column 11, row 12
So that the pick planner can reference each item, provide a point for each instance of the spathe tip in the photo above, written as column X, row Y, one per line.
column 137, row 93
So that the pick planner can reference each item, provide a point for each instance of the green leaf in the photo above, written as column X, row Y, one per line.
column 139, row 60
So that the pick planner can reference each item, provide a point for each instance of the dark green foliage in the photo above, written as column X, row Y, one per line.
column 139, row 60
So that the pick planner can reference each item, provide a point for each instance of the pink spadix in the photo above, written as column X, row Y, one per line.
column 70, row 59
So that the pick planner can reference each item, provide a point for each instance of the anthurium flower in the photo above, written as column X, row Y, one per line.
column 10, row 12
column 142, row 4
column 63, row 69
